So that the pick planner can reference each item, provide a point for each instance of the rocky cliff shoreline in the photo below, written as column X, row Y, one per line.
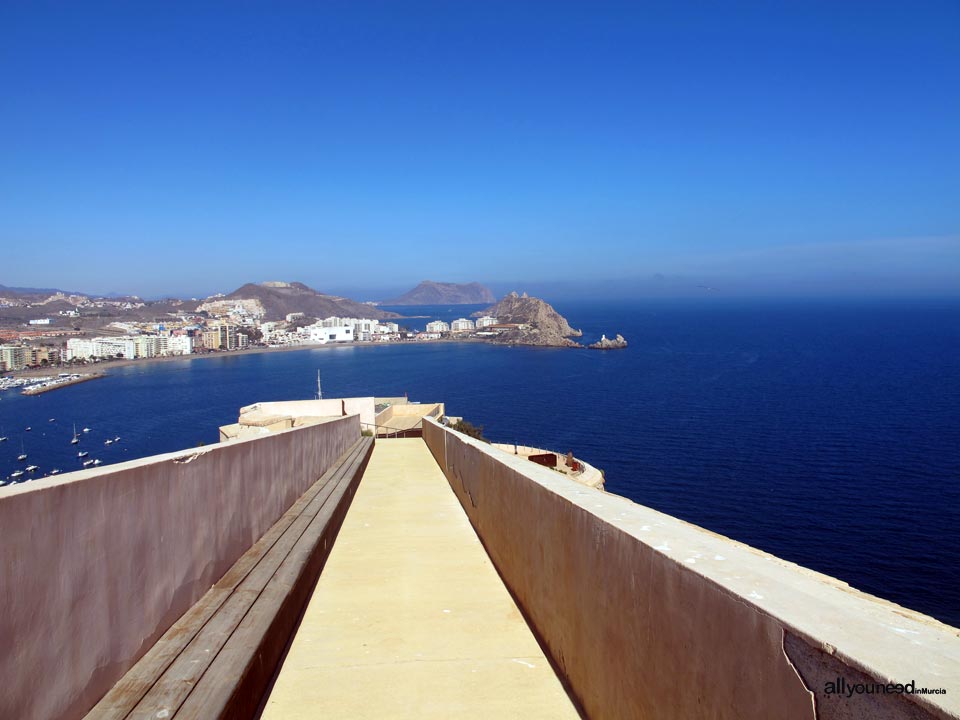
column 524, row 320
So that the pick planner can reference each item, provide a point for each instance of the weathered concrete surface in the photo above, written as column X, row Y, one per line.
column 588, row 474
column 406, row 415
column 254, row 427
column 409, row 618
column 363, row 406
column 97, row 564
column 650, row 617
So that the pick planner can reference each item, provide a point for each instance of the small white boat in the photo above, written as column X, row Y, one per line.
column 3, row 438
column 98, row 461
column 87, row 463
column 55, row 471
column 86, row 429
column 16, row 473
column 117, row 439
column 22, row 457
column 82, row 453
column 32, row 468
column 75, row 438
column 108, row 441
column 52, row 420
column 29, row 429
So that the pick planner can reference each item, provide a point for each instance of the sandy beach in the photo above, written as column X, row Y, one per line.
column 99, row 368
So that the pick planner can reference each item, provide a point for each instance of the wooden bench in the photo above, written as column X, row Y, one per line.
column 219, row 658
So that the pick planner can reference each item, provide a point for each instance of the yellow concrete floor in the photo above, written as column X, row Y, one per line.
column 409, row 618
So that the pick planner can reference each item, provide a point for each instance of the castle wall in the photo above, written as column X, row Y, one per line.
column 97, row 564
column 647, row 616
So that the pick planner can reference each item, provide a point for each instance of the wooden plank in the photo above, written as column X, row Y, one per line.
column 179, row 678
column 235, row 682
column 131, row 688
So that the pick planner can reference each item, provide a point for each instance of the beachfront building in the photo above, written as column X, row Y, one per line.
column 461, row 325
column 179, row 345
column 269, row 330
column 116, row 347
column 44, row 355
column 223, row 336
column 79, row 349
column 12, row 357
column 320, row 334
column 210, row 339
column 228, row 336
column 146, row 346
column 437, row 326
column 386, row 328
column 129, row 347
column 485, row 321
column 363, row 328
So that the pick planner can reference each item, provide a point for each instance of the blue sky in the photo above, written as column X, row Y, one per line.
column 587, row 148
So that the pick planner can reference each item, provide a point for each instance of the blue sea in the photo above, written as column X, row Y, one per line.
column 827, row 432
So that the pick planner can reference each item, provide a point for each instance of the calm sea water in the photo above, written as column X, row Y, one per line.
column 825, row 433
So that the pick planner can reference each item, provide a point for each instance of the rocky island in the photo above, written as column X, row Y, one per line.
column 605, row 343
column 524, row 320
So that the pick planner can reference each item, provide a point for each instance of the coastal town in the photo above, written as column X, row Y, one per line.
column 75, row 334
column 233, row 329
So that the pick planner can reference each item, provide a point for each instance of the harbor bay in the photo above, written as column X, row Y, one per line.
column 823, row 433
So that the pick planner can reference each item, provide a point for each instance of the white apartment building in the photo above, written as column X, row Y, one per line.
column 363, row 328
column 129, row 347
column 386, row 328
column 125, row 347
column 461, row 325
column 147, row 346
column 437, row 326
column 13, row 357
column 179, row 345
column 322, row 335
column 269, row 329
column 79, row 349
column 486, row 321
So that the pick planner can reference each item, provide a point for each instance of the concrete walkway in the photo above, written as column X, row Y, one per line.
column 409, row 618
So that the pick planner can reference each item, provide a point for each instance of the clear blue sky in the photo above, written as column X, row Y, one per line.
column 801, row 147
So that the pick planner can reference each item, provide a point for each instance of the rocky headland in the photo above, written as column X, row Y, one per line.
column 536, row 323
column 605, row 343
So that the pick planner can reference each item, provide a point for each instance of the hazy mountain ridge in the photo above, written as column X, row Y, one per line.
column 278, row 299
column 429, row 292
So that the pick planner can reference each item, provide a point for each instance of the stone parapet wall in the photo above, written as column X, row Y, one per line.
column 97, row 564
column 647, row 616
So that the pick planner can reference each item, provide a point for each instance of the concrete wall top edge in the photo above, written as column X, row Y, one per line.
column 873, row 635
column 185, row 455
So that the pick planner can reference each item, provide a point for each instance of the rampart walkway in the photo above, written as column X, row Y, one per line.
column 409, row 617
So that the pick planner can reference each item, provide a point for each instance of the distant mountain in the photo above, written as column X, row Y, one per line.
column 437, row 293
column 32, row 293
column 278, row 299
